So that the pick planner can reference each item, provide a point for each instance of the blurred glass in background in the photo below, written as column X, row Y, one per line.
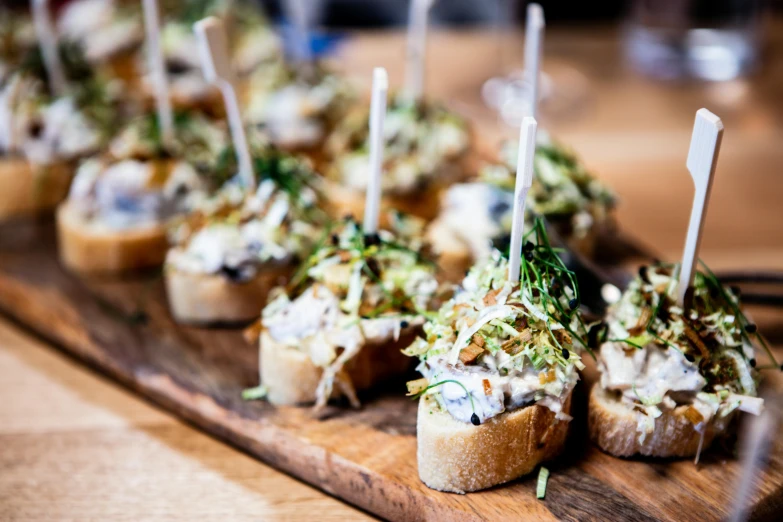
column 705, row 39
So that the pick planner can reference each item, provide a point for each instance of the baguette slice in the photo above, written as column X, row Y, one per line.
column 28, row 190
column 613, row 426
column 291, row 378
column 91, row 249
column 214, row 299
column 457, row 457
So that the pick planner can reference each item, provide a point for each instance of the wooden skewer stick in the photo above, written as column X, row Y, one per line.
column 213, row 48
column 415, row 60
column 524, row 180
column 47, row 37
column 158, row 69
column 380, row 87
column 534, row 40
column 702, row 159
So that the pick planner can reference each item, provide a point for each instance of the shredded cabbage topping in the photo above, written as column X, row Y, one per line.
column 659, row 356
column 353, row 289
column 509, row 344
column 476, row 216
column 563, row 189
column 422, row 142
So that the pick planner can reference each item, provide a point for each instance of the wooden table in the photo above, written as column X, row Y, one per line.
column 75, row 446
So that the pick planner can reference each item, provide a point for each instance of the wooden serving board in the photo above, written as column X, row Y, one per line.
column 366, row 457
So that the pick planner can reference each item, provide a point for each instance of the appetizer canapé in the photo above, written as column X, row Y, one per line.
column 340, row 326
column 41, row 137
column 424, row 148
column 499, row 360
column 120, row 202
column 299, row 106
column 254, row 47
column 235, row 246
column 476, row 216
column 673, row 378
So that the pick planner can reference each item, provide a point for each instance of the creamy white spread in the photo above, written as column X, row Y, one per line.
column 101, row 27
column 472, row 215
column 653, row 377
column 493, row 392
column 294, row 115
column 518, row 363
column 270, row 234
column 120, row 195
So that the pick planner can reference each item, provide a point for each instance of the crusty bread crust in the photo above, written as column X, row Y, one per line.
column 457, row 457
column 291, row 378
column 214, row 299
column 613, row 426
column 87, row 249
column 28, row 190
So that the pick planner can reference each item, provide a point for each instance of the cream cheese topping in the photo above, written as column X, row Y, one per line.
column 120, row 195
column 493, row 348
column 294, row 114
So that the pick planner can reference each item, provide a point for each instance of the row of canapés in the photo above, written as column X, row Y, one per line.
column 342, row 309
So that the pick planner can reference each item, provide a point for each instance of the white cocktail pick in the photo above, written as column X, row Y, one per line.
column 415, row 60
column 380, row 88
column 702, row 159
column 524, row 180
column 534, row 39
column 158, row 69
column 213, row 48
column 47, row 38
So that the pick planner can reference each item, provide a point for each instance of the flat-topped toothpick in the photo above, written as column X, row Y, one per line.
column 47, row 38
column 415, row 59
column 380, row 88
column 213, row 48
column 534, row 38
column 158, row 70
column 702, row 159
column 524, row 180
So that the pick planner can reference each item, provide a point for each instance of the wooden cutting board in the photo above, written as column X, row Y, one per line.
column 366, row 457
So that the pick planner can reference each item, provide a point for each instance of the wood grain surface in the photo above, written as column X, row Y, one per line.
column 74, row 446
column 633, row 132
